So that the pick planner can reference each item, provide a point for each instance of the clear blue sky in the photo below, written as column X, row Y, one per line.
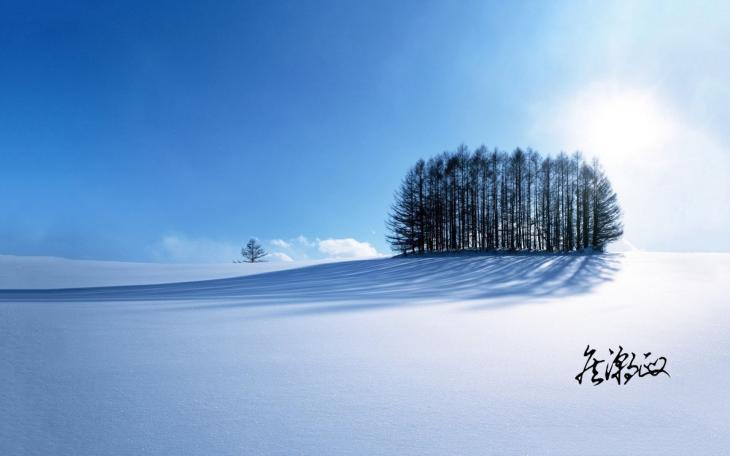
column 128, row 127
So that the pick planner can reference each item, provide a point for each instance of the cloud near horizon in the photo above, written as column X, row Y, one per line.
column 303, row 247
column 282, row 244
column 280, row 256
column 347, row 248
column 179, row 248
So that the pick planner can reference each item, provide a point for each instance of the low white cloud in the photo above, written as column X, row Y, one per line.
column 347, row 248
column 282, row 244
column 305, row 242
column 279, row 256
column 178, row 248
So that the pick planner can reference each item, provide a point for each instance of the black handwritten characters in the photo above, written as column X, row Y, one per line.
column 623, row 367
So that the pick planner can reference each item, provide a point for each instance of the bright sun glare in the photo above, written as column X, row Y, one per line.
column 618, row 126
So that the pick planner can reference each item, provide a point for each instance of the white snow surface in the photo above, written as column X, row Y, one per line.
column 36, row 272
column 467, row 355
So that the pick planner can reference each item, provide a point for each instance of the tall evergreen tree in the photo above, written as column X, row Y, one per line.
column 607, row 225
column 401, row 222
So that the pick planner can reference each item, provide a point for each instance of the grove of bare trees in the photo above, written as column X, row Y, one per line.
column 491, row 200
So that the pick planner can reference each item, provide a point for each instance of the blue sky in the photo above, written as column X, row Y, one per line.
column 174, row 131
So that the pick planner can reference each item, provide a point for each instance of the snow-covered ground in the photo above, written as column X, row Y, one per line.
column 443, row 355
column 27, row 272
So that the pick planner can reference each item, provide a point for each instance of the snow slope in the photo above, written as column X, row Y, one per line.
column 443, row 355
column 17, row 272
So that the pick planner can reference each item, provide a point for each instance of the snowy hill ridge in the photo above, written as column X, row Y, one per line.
column 39, row 272
column 378, row 281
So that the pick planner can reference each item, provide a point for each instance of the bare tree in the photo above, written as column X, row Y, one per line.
column 253, row 252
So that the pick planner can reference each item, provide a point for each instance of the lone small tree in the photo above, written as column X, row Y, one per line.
column 253, row 252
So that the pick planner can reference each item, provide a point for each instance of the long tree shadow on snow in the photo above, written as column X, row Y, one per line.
column 359, row 285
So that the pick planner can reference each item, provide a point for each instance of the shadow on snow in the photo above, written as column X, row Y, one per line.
column 366, row 284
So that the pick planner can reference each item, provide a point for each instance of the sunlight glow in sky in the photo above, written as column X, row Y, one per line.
column 619, row 126
column 662, row 168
